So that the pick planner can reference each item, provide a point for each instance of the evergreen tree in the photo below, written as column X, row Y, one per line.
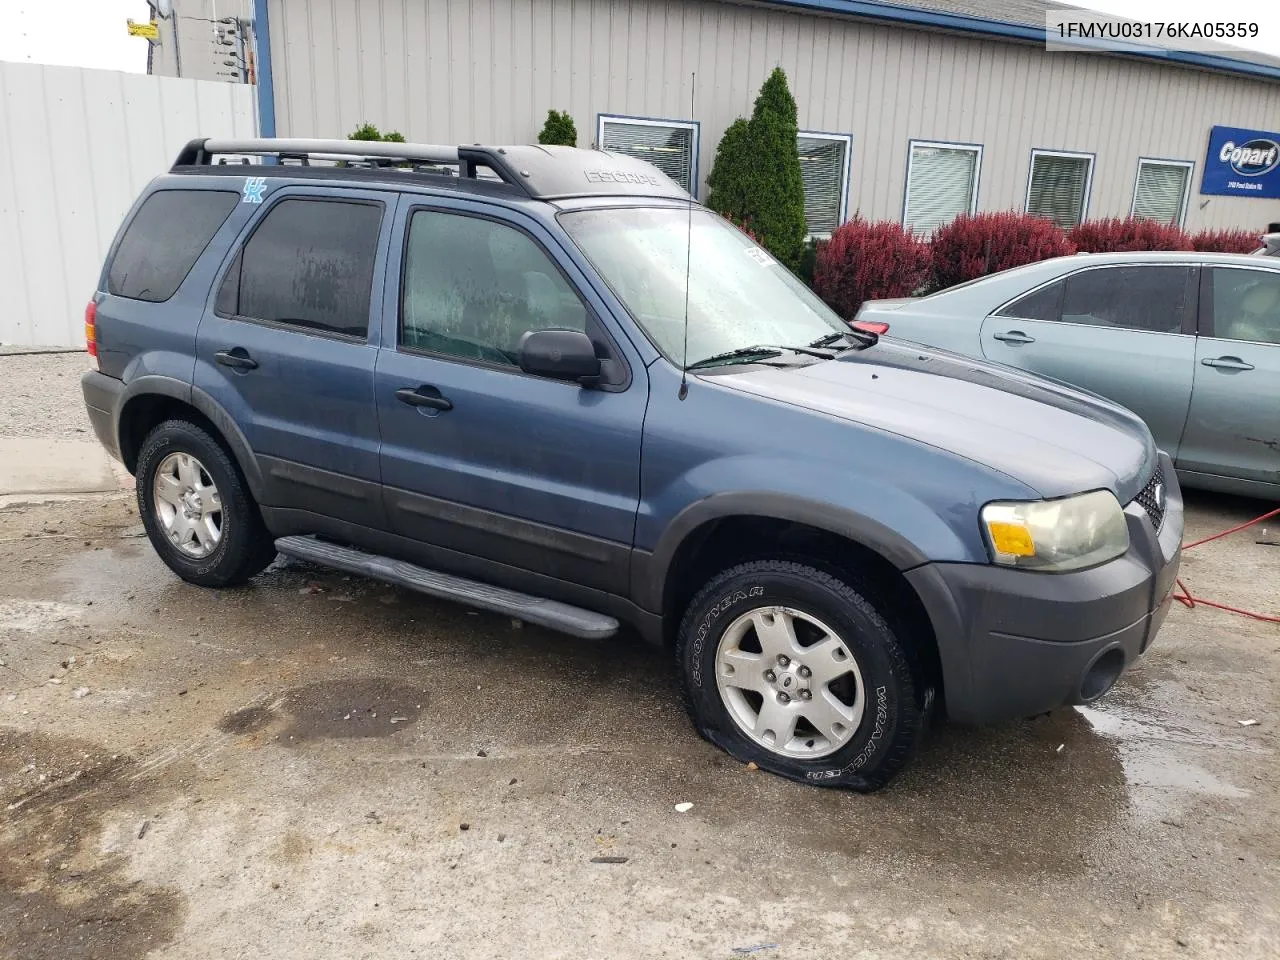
column 726, row 185
column 560, row 129
column 755, row 180
column 775, row 189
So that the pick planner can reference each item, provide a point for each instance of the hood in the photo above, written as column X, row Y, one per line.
column 1055, row 439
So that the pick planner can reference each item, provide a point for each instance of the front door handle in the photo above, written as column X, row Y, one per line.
column 1227, row 363
column 1014, row 336
column 424, row 396
column 237, row 358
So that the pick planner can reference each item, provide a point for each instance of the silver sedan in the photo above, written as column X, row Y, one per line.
column 1188, row 341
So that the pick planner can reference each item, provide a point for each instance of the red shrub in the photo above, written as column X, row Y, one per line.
column 974, row 245
column 1116, row 235
column 1226, row 241
column 869, row 261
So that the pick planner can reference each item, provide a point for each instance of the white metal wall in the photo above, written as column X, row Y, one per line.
column 76, row 148
column 466, row 71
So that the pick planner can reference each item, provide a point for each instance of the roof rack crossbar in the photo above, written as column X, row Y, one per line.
column 199, row 152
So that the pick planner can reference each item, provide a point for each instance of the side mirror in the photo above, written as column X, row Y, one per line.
column 560, row 355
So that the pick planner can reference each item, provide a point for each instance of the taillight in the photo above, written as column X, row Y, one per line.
column 91, row 328
column 870, row 326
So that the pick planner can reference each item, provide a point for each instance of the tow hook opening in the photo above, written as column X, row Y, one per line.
column 1102, row 674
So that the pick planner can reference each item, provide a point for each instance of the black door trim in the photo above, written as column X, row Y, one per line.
column 563, row 554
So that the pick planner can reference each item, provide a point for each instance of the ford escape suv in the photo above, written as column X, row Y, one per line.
column 544, row 381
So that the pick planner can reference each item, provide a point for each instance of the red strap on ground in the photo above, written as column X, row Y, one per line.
column 1186, row 598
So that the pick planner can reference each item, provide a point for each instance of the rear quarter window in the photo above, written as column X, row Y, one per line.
column 164, row 240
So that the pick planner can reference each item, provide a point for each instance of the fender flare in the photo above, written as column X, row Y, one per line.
column 649, row 575
column 154, row 385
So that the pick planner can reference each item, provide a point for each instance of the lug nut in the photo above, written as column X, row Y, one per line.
column 783, row 660
column 805, row 694
column 804, row 672
column 770, row 676
column 783, row 698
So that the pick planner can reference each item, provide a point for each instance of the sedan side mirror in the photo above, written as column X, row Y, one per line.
column 560, row 355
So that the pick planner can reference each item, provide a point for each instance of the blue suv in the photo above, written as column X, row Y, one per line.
column 544, row 381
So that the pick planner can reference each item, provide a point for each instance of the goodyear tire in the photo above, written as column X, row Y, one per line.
column 791, row 668
column 197, row 509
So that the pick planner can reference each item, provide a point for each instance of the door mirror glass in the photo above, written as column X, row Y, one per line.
column 560, row 355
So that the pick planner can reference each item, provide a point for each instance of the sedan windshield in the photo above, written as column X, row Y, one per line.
column 738, row 295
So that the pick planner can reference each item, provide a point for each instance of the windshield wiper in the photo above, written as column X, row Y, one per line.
column 759, row 352
column 865, row 338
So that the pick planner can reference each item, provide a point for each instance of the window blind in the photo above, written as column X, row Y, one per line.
column 670, row 149
column 1058, row 187
column 1160, row 191
column 822, row 164
column 939, row 186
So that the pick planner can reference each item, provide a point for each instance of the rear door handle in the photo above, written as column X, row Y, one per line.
column 1014, row 336
column 1227, row 363
column 424, row 396
column 237, row 358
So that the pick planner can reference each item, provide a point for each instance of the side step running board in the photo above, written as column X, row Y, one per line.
column 546, row 613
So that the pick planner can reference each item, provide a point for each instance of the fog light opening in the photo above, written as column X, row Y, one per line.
column 1102, row 674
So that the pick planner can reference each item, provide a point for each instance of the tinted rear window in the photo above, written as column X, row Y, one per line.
column 1042, row 304
column 308, row 264
column 1141, row 297
column 164, row 240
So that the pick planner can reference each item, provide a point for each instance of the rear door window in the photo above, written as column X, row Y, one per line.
column 1142, row 297
column 164, row 240
column 308, row 264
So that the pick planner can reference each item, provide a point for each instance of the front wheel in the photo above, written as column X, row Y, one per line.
column 789, row 667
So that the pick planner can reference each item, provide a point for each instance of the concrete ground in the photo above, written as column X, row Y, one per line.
column 319, row 765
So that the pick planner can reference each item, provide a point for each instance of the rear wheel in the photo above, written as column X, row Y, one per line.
column 197, row 509
column 791, row 668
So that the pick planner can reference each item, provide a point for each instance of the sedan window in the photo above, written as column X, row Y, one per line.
column 1042, row 304
column 1246, row 305
column 1150, row 298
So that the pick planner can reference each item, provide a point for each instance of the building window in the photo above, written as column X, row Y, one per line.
column 1058, row 186
column 942, row 183
column 1160, row 190
column 824, row 167
column 670, row 145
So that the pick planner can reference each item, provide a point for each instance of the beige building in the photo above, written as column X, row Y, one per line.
column 908, row 113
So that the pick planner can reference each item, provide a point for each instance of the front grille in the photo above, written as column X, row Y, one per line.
column 1150, row 502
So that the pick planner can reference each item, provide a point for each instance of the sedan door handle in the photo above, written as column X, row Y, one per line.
column 1014, row 336
column 424, row 396
column 1227, row 363
column 237, row 358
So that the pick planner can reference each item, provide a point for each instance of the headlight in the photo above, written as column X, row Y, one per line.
column 1056, row 535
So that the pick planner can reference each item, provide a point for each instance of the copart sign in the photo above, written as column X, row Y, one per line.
column 1242, row 163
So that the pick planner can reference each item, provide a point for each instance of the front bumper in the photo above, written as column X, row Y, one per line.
column 1014, row 643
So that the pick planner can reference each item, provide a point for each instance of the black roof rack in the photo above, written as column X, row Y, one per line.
column 542, row 172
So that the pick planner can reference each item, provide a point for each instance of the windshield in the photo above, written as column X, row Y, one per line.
column 739, row 296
